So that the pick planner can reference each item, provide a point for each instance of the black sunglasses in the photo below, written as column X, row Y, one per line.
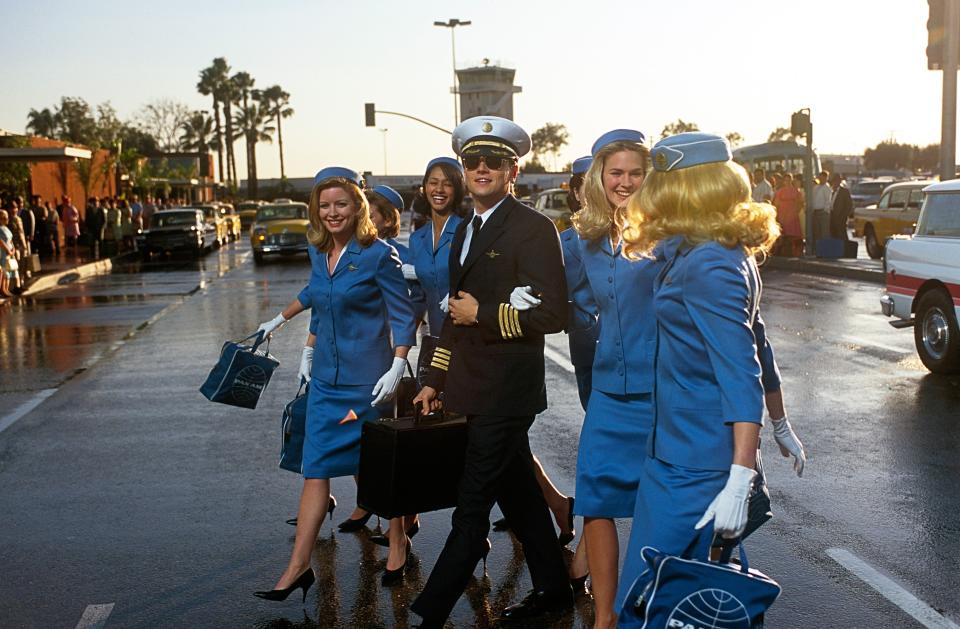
column 472, row 162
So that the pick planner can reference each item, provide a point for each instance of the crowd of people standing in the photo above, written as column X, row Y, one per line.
column 657, row 286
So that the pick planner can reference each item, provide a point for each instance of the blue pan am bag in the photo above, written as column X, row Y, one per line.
column 293, row 430
column 680, row 593
column 241, row 374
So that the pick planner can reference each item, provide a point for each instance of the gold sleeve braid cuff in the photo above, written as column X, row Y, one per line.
column 441, row 359
column 509, row 322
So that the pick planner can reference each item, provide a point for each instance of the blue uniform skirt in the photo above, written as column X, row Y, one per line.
column 613, row 446
column 331, row 449
column 670, row 501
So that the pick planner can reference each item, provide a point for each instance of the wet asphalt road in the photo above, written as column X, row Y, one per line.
column 124, row 486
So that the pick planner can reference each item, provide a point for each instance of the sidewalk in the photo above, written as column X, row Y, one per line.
column 862, row 268
column 65, row 268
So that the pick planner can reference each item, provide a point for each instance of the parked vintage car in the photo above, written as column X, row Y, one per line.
column 234, row 224
column 868, row 191
column 248, row 213
column 211, row 214
column 178, row 230
column 923, row 279
column 552, row 203
column 895, row 214
column 279, row 229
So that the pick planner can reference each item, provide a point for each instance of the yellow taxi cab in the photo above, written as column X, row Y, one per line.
column 248, row 212
column 279, row 229
column 232, row 219
column 552, row 203
column 211, row 215
column 895, row 214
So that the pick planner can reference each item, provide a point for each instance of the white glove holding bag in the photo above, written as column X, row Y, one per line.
column 522, row 298
column 729, row 509
column 445, row 304
column 409, row 272
column 789, row 443
column 387, row 384
column 272, row 325
column 306, row 362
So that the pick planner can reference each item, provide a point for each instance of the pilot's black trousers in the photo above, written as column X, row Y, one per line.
column 498, row 468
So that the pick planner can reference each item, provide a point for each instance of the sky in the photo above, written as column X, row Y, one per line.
column 734, row 66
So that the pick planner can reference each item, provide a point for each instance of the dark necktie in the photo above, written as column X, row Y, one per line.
column 477, row 223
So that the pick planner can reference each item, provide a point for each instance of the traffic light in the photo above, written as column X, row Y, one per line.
column 936, row 40
column 370, row 114
column 800, row 123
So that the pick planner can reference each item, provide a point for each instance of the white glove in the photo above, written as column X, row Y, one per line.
column 789, row 443
column 387, row 384
column 522, row 298
column 272, row 325
column 729, row 509
column 444, row 303
column 409, row 272
column 306, row 362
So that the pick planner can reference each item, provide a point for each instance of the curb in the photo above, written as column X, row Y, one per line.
column 68, row 276
column 823, row 267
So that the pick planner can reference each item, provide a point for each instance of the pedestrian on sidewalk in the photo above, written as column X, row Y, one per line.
column 762, row 190
column 821, row 204
column 841, row 207
column 29, row 223
column 71, row 224
column 53, row 229
column 8, row 257
column 127, row 226
column 114, row 228
column 95, row 223
column 788, row 200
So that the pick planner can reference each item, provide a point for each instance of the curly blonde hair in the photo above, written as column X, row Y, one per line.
column 702, row 203
column 364, row 230
column 598, row 215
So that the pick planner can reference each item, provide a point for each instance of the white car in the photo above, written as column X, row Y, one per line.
column 923, row 279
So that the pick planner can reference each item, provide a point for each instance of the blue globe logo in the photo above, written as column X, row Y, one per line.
column 248, row 384
column 709, row 609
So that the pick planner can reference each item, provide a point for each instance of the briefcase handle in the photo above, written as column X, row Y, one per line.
column 261, row 337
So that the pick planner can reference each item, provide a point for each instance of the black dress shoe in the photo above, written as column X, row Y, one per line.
column 538, row 603
column 579, row 585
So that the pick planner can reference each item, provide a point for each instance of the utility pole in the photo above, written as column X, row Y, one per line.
column 800, row 124
column 948, row 124
column 384, row 132
column 452, row 24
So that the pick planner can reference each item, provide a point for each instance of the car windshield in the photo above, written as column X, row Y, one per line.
column 870, row 187
column 247, row 206
column 163, row 219
column 940, row 216
column 281, row 212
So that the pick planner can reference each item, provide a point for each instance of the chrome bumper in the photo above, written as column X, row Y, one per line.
column 886, row 305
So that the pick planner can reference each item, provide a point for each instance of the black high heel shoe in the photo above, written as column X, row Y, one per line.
column 579, row 585
column 395, row 577
column 331, row 505
column 304, row 581
column 566, row 538
column 383, row 540
column 352, row 526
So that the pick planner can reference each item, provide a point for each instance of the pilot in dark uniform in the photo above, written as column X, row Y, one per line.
column 489, row 364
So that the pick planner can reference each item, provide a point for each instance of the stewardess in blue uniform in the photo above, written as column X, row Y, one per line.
column 359, row 300
column 696, row 208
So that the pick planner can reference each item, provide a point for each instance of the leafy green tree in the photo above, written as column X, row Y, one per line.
column 680, row 126
column 163, row 119
column 549, row 139
column 735, row 139
column 209, row 85
column 254, row 121
column 781, row 134
column 276, row 101
column 197, row 133
column 14, row 176
column 243, row 84
column 74, row 121
column 889, row 155
column 42, row 123
column 533, row 165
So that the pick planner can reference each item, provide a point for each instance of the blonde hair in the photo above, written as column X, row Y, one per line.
column 364, row 230
column 598, row 215
column 390, row 214
column 702, row 203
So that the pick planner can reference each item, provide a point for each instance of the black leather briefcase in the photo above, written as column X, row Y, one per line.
column 411, row 465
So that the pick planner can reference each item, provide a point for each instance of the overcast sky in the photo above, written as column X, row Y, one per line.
column 593, row 66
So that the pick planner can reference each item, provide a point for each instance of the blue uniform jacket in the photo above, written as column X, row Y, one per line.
column 433, row 267
column 417, row 298
column 583, row 326
column 355, row 311
column 622, row 291
column 708, row 374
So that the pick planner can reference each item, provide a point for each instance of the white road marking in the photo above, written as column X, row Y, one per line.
column 95, row 616
column 7, row 420
column 562, row 361
column 891, row 590
column 864, row 342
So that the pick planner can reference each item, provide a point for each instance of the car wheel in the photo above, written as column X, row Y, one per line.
column 257, row 257
column 936, row 334
column 874, row 248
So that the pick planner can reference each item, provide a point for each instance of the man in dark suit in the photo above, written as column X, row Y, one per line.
column 841, row 207
column 489, row 364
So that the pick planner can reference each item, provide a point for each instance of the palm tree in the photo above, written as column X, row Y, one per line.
column 276, row 101
column 42, row 123
column 197, row 133
column 210, row 80
column 243, row 84
column 254, row 119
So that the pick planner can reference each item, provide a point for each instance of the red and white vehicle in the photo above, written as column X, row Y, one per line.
column 923, row 279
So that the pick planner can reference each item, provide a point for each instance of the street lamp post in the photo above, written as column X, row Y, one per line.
column 452, row 24
column 384, row 132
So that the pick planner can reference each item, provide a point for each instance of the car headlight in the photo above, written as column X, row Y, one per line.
column 260, row 233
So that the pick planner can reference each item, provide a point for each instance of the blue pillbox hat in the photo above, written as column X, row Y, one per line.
column 581, row 165
column 444, row 160
column 617, row 135
column 690, row 149
column 392, row 196
column 338, row 171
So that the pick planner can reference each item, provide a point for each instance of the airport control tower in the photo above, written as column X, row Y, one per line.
column 487, row 90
